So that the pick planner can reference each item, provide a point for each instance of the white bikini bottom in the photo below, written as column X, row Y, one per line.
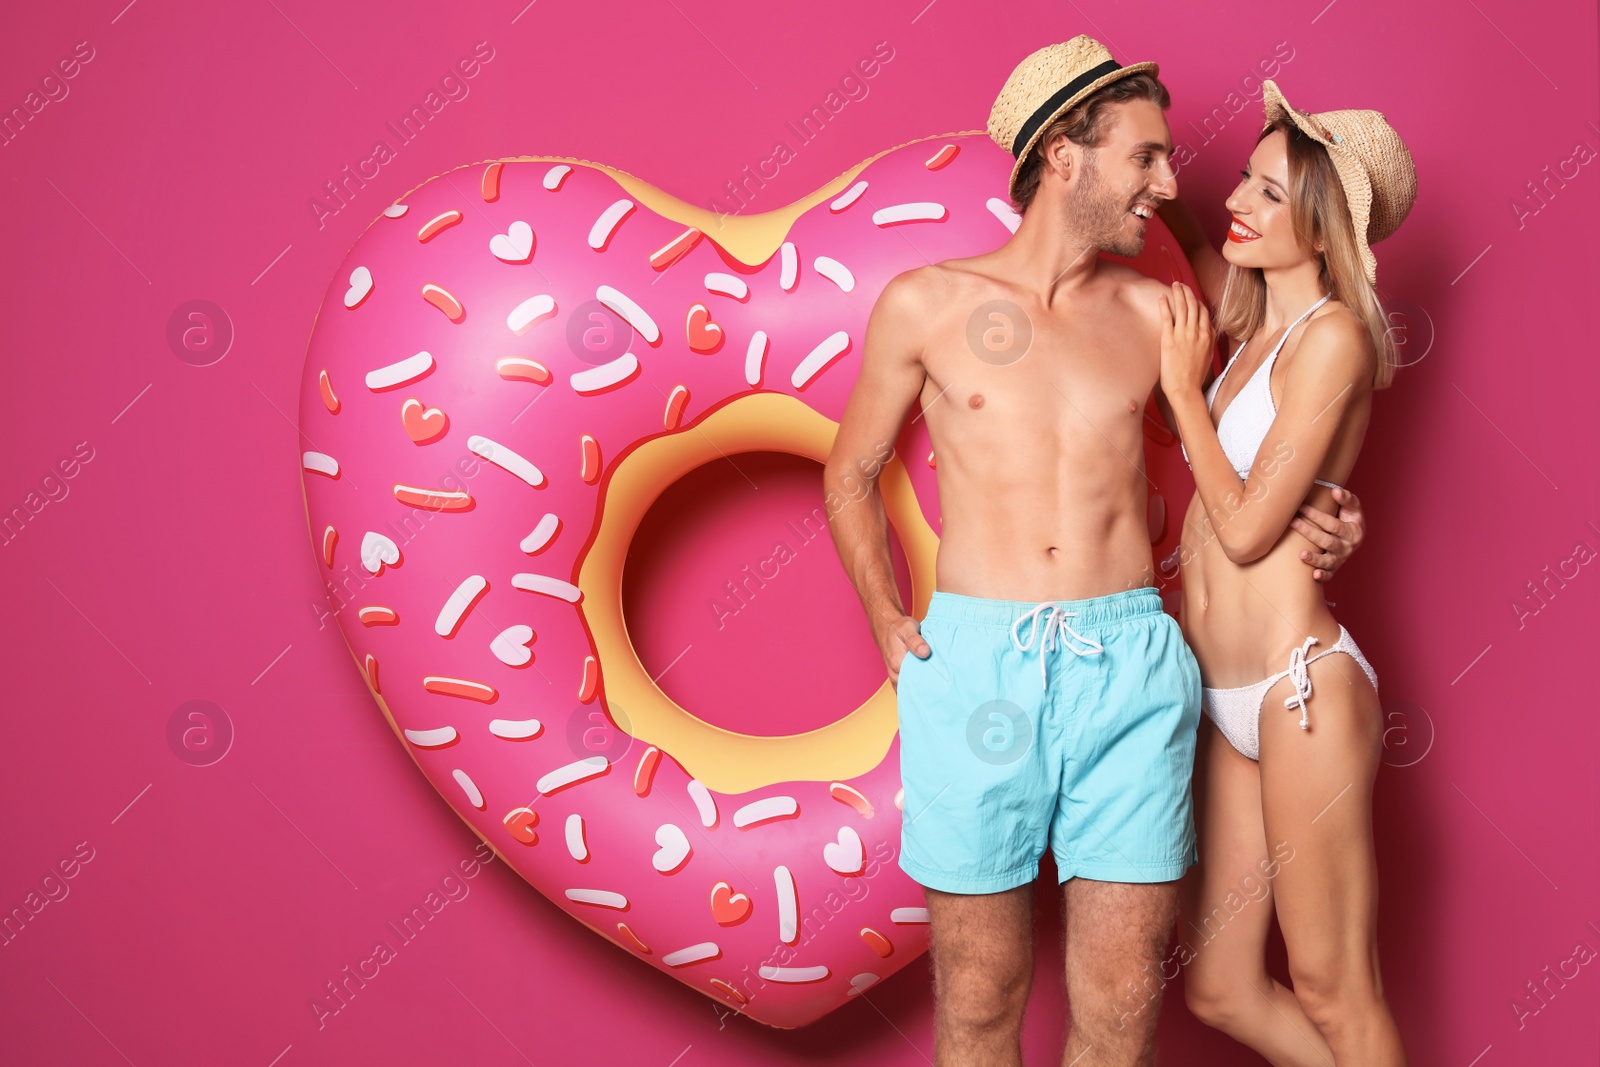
column 1237, row 712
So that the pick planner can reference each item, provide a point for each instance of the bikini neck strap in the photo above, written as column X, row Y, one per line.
column 1303, row 316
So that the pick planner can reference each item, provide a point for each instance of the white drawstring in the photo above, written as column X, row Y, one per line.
column 1054, row 624
column 1301, row 677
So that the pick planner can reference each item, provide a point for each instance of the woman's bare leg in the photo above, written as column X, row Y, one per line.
column 1227, row 914
column 1316, row 788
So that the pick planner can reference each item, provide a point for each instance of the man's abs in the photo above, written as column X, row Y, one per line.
column 1035, row 508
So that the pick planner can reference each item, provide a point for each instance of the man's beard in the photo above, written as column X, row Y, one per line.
column 1095, row 213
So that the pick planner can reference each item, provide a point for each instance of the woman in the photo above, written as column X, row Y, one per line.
column 1284, row 781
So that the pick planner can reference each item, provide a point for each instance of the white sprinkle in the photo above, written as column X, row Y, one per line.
column 1002, row 211
column 835, row 272
column 762, row 810
column 596, row 379
column 515, row 729
column 506, row 460
column 793, row 974
column 788, row 905
column 455, row 608
column 431, row 738
column 321, row 463
column 577, row 847
column 909, row 915
column 543, row 583
column 553, row 176
column 571, row 774
column 394, row 211
column 861, row 983
column 924, row 212
column 403, row 373
column 532, row 310
column 360, row 286
column 693, row 954
column 608, row 221
column 602, row 897
column 469, row 787
column 703, row 802
column 727, row 285
column 541, row 534
column 831, row 348
column 848, row 197
column 755, row 357
column 789, row 266
column 632, row 313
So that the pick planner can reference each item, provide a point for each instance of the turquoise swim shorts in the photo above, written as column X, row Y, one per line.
column 1071, row 722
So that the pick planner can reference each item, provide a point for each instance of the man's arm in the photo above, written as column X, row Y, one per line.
column 891, row 377
column 1337, row 535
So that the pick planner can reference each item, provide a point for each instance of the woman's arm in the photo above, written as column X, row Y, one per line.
column 1209, row 267
column 1332, row 367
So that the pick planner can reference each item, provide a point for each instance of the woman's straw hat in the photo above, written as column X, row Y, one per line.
column 1046, row 84
column 1374, row 166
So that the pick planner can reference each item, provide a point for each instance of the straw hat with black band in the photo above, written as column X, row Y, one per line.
column 1373, row 164
column 1046, row 84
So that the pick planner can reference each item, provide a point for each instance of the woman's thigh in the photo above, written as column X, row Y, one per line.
column 1316, row 787
column 1227, row 900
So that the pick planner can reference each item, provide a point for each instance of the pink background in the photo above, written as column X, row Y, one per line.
column 174, row 564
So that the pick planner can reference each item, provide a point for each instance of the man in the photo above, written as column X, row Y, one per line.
column 1033, row 364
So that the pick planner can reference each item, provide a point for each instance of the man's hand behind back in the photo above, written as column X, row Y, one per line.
column 1337, row 536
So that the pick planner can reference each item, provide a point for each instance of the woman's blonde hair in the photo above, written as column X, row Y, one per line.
column 1319, row 212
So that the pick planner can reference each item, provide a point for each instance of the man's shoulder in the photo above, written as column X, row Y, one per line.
column 909, row 288
column 919, row 292
column 1126, row 276
column 1139, row 291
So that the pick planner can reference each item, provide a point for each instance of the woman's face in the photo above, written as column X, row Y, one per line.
column 1262, row 233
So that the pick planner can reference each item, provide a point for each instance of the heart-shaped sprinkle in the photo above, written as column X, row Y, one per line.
column 515, row 245
column 674, row 851
column 510, row 645
column 378, row 549
column 728, row 907
column 422, row 424
column 844, row 856
column 704, row 335
column 519, row 822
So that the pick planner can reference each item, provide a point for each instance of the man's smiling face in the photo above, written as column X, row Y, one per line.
column 1117, row 185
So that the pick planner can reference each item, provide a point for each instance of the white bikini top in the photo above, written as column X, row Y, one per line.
column 1244, row 425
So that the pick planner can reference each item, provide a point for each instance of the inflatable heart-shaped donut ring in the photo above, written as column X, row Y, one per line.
column 476, row 467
